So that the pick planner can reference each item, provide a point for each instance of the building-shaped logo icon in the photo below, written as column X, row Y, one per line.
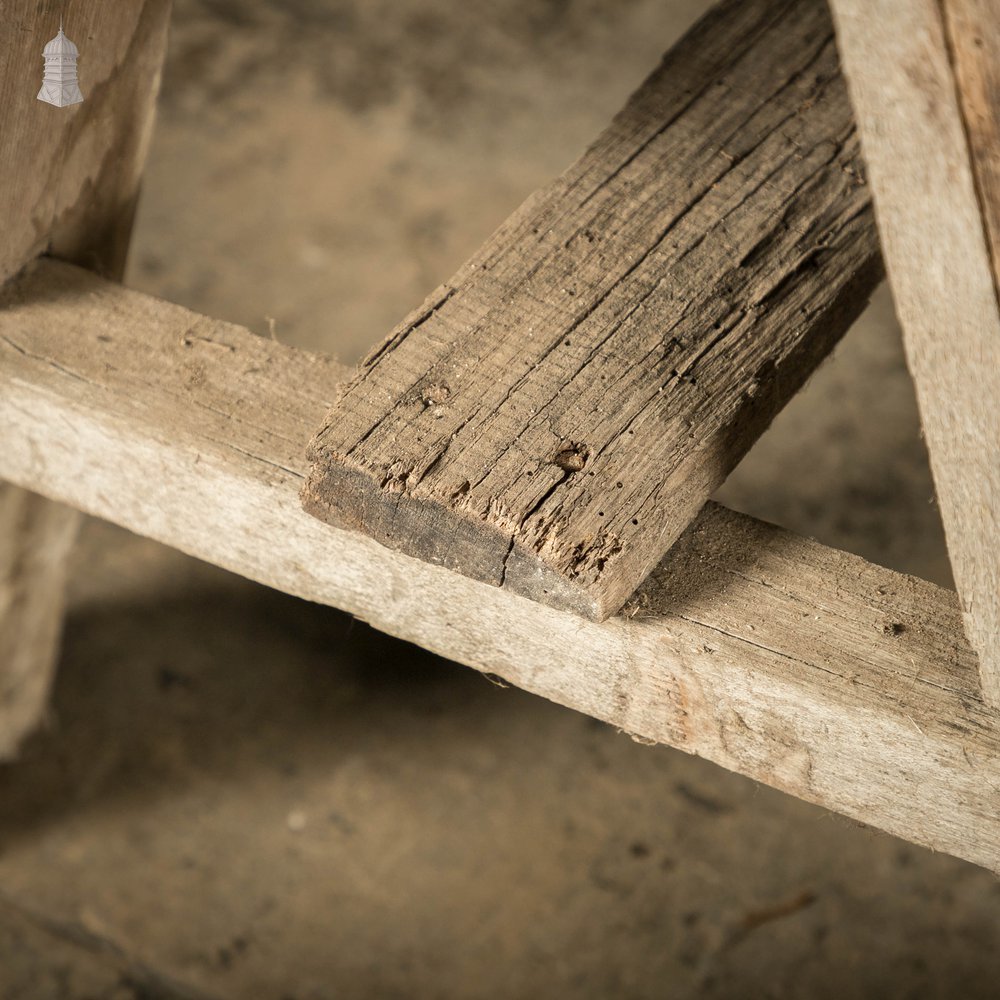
column 60, row 86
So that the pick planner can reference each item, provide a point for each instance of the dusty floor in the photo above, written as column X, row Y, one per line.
column 240, row 795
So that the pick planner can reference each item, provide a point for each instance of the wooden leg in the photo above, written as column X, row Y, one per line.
column 553, row 417
column 71, row 181
column 36, row 536
column 922, row 76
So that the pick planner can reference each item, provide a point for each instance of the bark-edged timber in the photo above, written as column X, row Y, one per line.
column 805, row 668
column 553, row 417
column 924, row 76
column 70, row 185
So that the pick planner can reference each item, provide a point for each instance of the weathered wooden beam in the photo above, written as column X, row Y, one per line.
column 803, row 667
column 924, row 76
column 553, row 417
column 70, row 185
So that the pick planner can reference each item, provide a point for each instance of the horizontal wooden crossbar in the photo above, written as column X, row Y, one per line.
column 802, row 667
column 554, row 416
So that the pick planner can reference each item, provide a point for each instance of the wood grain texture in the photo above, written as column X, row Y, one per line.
column 70, row 181
column 923, row 79
column 803, row 667
column 552, row 418
column 71, row 175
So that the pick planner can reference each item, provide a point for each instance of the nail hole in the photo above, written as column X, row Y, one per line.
column 572, row 457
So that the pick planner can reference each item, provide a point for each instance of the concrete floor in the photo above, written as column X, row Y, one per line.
column 240, row 795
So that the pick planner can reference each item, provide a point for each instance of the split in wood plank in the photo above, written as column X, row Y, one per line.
column 854, row 689
column 924, row 76
column 552, row 418
column 70, row 185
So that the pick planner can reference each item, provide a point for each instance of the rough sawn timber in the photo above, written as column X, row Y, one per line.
column 553, row 417
column 805, row 668
column 70, row 183
column 924, row 76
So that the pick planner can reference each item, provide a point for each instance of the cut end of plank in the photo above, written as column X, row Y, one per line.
column 480, row 549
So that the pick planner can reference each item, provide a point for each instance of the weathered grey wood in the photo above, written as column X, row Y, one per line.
column 70, row 181
column 924, row 76
column 552, row 418
column 802, row 667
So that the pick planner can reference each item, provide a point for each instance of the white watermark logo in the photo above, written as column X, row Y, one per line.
column 60, row 86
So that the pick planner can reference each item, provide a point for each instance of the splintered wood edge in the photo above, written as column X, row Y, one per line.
column 802, row 667
column 450, row 445
column 335, row 493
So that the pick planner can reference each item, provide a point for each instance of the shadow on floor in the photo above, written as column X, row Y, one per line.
column 263, row 798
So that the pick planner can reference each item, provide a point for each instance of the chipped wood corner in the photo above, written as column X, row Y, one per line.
column 347, row 497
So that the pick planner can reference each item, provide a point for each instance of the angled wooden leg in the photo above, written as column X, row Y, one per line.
column 924, row 76
column 553, row 417
column 71, row 181
column 36, row 536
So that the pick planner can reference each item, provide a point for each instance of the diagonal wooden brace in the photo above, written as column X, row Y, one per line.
column 552, row 418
